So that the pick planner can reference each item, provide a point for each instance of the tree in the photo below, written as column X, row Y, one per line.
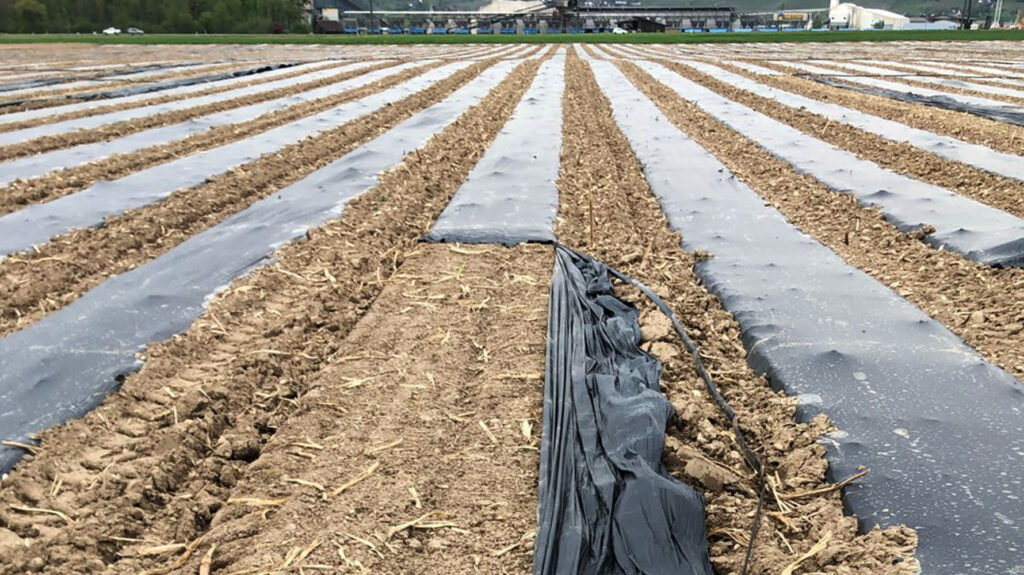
column 176, row 16
column 32, row 14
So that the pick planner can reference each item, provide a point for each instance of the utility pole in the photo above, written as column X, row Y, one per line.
column 965, row 16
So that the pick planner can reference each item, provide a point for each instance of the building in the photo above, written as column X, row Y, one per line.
column 848, row 15
column 537, row 17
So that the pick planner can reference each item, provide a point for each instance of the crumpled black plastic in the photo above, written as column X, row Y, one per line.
column 607, row 503
column 1007, row 114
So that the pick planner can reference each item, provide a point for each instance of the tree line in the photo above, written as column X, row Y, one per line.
column 153, row 16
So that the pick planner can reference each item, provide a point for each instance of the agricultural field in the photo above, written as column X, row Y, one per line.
column 347, row 309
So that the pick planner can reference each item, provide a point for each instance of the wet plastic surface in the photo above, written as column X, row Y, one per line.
column 510, row 196
column 984, row 107
column 40, row 164
column 981, row 157
column 36, row 223
column 606, row 503
column 140, row 98
column 941, row 430
column 978, row 231
column 63, row 365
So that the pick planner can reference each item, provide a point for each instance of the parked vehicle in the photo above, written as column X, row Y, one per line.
column 112, row 31
column 135, row 32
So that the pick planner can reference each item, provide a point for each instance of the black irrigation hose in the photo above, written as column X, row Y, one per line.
column 756, row 526
column 727, row 410
column 730, row 414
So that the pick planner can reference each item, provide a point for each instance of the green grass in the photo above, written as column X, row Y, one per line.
column 668, row 38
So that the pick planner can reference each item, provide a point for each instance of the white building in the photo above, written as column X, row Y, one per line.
column 847, row 15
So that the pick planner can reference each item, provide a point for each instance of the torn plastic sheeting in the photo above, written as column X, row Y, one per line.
column 510, row 196
column 981, row 157
column 140, row 98
column 1005, row 114
column 948, row 82
column 97, row 120
column 977, row 231
column 606, row 503
column 37, row 223
column 984, row 107
column 918, row 407
column 40, row 164
column 63, row 365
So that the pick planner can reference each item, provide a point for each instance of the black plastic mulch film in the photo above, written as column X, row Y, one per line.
column 181, row 82
column 157, row 86
column 607, row 505
column 1008, row 114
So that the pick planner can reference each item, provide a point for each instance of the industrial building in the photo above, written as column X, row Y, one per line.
column 346, row 16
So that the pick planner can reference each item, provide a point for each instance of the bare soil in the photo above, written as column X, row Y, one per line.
column 601, row 175
column 440, row 390
column 38, row 281
column 114, row 105
column 981, row 304
column 996, row 135
column 118, row 129
column 160, row 458
column 62, row 182
column 55, row 96
column 910, row 80
column 1001, row 192
column 368, row 403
